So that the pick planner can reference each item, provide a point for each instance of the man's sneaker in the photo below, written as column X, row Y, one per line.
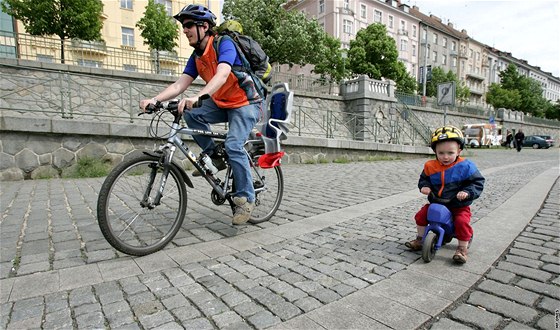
column 218, row 162
column 242, row 211
column 415, row 244
column 460, row 255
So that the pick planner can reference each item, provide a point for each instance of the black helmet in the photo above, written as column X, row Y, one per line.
column 196, row 13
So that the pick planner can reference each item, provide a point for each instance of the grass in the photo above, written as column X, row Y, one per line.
column 88, row 167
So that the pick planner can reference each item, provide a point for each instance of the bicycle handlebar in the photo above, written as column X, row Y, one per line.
column 171, row 106
column 439, row 200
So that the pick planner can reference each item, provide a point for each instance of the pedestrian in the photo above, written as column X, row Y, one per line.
column 235, row 98
column 509, row 139
column 519, row 137
column 450, row 177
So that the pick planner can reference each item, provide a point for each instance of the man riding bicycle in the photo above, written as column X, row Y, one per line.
column 235, row 99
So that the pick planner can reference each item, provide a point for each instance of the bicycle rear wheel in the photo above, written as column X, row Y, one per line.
column 127, row 216
column 269, row 188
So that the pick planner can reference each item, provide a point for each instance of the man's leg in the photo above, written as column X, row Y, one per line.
column 241, row 122
column 201, row 118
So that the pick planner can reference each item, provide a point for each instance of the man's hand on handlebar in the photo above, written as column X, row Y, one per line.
column 187, row 103
column 146, row 102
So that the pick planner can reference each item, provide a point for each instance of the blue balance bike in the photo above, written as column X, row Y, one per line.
column 440, row 229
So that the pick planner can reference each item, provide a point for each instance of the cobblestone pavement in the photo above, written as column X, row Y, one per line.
column 57, row 271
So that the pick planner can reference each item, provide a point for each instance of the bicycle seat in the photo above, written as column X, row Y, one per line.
column 274, row 125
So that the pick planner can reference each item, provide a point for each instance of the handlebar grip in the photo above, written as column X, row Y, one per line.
column 201, row 98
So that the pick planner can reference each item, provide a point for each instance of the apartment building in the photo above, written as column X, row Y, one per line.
column 344, row 18
column 121, row 48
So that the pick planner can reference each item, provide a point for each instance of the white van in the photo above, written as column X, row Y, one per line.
column 479, row 135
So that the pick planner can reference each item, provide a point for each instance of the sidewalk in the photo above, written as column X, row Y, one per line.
column 335, row 244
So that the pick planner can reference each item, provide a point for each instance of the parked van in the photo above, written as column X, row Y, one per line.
column 482, row 135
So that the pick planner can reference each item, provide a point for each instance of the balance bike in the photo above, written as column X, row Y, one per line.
column 440, row 230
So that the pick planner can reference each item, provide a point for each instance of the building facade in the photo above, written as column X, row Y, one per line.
column 121, row 48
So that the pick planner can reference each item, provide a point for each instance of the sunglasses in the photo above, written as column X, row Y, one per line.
column 190, row 24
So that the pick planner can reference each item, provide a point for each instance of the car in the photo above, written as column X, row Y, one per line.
column 535, row 142
column 548, row 138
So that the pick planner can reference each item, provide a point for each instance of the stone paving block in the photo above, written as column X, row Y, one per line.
column 502, row 306
column 263, row 319
column 500, row 275
column 550, row 305
column 514, row 293
column 523, row 271
column 155, row 262
column 71, row 278
column 226, row 319
column 547, row 322
column 446, row 324
column 118, row 269
column 157, row 319
column 469, row 314
column 512, row 325
column 34, row 285
column 542, row 288
column 92, row 320
column 61, row 319
column 531, row 263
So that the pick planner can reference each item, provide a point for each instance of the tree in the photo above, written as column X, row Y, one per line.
column 439, row 76
column 67, row 19
column 331, row 65
column 158, row 30
column 518, row 92
column 287, row 37
column 375, row 54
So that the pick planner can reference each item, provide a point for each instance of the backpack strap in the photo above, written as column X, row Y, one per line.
column 246, row 65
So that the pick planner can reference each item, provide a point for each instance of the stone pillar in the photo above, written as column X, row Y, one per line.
column 360, row 96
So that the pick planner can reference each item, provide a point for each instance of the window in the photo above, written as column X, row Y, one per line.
column 391, row 22
column 444, row 59
column 377, row 16
column 127, row 36
column 347, row 26
column 346, row 4
column 477, row 56
column 126, row 4
column 363, row 11
column 454, row 62
column 404, row 45
column 414, row 31
column 90, row 63
column 130, row 67
column 167, row 5
column 7, row 51
column 413, row 50
column 167, row 72
column 435, row 39
column 321, row 6
column 6, row 24
column 471, row 54
column 403, row 25
column 45, row 58
column 425, row 35
column 453, row 45
column 444, row 41
column 434, row 56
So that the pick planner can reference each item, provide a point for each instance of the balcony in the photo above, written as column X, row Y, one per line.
column 90, row 47
column 403, row 32
column 475, row 75
column 453, row 53
column 165, row 56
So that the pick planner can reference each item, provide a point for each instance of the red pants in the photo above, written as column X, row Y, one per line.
column 461, row 220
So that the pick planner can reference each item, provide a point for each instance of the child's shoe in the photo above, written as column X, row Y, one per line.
column 460, row 255
column 415, row 244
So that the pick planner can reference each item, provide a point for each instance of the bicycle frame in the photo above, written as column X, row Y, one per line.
column 175, row 142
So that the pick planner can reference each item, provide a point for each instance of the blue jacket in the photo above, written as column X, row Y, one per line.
column 447, row 180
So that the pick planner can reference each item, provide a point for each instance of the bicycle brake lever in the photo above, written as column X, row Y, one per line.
column 201, row 98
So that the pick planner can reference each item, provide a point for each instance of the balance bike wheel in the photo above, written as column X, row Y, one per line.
column 429, row 247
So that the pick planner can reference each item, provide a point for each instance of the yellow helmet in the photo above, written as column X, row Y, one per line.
column 446, row 133
column 230, row 25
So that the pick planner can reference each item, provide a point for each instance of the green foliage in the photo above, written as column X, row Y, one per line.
column 88, row 167
column 331, row 64
column 375, row 54
column 287, row 37
column 158, row 30
column 67, row 19
column 520, row 93
column 439, row 76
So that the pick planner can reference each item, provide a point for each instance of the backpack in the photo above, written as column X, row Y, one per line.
column 250, row 49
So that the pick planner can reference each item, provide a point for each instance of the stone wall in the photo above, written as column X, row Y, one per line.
column 52, row 115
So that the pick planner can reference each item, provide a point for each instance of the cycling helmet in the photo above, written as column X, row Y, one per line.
column 230, row 25
column 196, row 13
column 446, row 133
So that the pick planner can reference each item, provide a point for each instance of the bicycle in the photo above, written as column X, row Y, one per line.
column 142, row 202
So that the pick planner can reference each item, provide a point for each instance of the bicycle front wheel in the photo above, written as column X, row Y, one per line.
column 128, row 217
column 269, row 188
